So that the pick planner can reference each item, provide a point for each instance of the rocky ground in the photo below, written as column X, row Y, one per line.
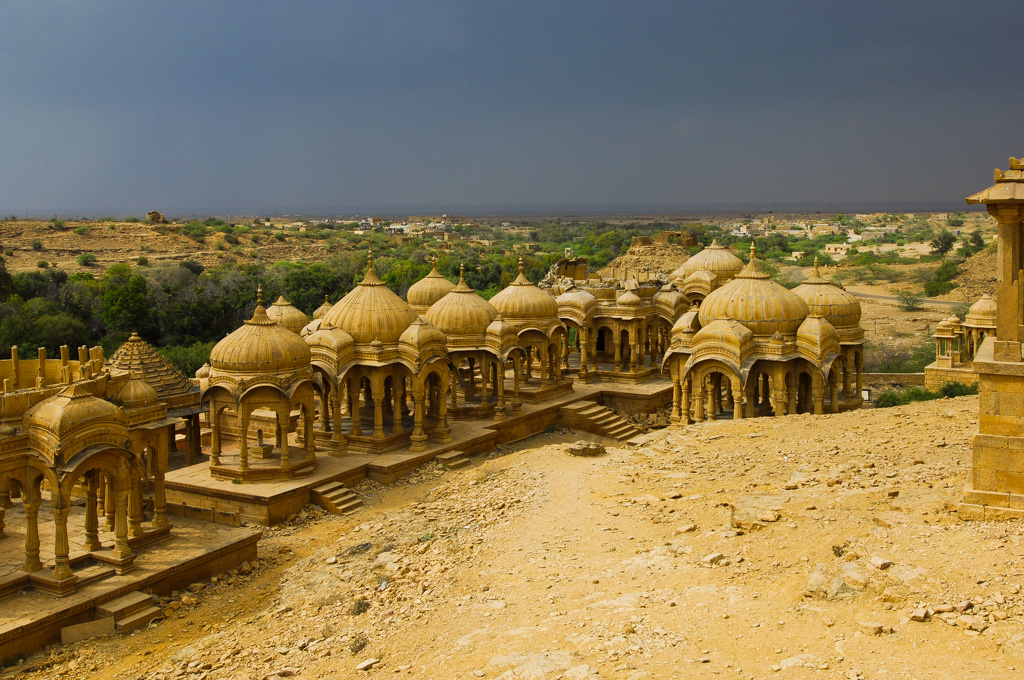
column 802, row 547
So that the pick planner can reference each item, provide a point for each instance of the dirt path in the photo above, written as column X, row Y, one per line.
column 756, row 548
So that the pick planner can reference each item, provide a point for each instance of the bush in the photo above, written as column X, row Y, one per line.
column 279, row 236
column 255, row 238
column 890, row 398
column 189, row 359
column 59, row 225
column 82, row 230
column 86, row 259
column 9, row 252
column 909, row 302
column 936, row 288
column 37, row 244
column 231, row 238
column 142, row 261
column 43, row 264
column 132, row 218
column 192, row 266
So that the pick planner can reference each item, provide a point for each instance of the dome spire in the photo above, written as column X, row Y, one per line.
column 259, row 315
column 259, row 295
column 462, row 274
column 817, row 274
column 371, row 278
column 521, row 267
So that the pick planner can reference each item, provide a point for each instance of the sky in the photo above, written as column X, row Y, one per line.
column 258, row 107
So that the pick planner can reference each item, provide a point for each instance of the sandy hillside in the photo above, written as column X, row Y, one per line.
column 113, row 242
column 757, row 548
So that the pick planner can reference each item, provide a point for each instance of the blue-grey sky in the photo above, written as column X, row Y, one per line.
column 257, row 106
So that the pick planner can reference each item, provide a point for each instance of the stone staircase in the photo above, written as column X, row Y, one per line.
column 592, row 417
column 453, row 460
column 336, row 498
column 131, row 611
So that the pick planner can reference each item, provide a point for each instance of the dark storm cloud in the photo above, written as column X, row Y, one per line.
column 260, row 106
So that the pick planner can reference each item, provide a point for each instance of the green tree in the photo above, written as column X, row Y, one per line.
column 943, row 242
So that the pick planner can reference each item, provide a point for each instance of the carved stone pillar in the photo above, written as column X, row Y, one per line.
column 93, row 483
column 418, row 437
column 30, row 503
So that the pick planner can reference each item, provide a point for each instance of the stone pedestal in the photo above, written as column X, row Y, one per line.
column 995, row 485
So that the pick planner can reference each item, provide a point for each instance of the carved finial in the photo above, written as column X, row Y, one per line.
column 521, row 268
column 462, row 273
column 817, row 274
column 753, row 251
column 369, row 259
column 326, row 301
column 259, row 295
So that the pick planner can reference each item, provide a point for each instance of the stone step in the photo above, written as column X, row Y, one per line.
column 336, row 498
column 453, row 460
column 138, row 620
column 125, row 605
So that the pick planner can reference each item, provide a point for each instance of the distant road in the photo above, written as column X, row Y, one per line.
column 948, row 304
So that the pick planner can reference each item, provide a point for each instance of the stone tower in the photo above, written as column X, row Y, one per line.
column 995, row 485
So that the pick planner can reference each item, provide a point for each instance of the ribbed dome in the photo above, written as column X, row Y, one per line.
column 322, row 310
column 462, row 311
column 371, row 311
column 629, row 299
column 715, row 259
column 72, row 419
column 982, row 313
column 287, row 315
column 841, row 309
column 137, row 392
column 755, row 301
column 428, row 290
column 73, row 408
column 421, row 333
column 260, row 346
column 523, row 300
column 577, row 298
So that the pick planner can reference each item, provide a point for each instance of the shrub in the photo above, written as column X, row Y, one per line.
column 255, row 238
column 86, row 259
column 231, row 238
column 82, row 230
column 957, row 389
column 909, row 302
column 43, row 264
column 935, row 288
column 279, row 236
column 59, row 225
column 890, row 398
column 142, row 261
column 9, row 252
column 192, row 266
column 37, row 244
column 132, row 218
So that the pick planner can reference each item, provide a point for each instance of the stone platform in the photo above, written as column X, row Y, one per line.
column 191, row 492
column 30, row 618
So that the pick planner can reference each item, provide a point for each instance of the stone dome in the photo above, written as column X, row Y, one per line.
column 982, row 313
column 628, row 299
column 420, row 334
column 322, row 310
column 371, row 311
column 840, row 308
column 260, row 346
column 287, row 315
column 578, row 299
column 523, row 300
column 74, row 418
column 462, row 311
column 203, row 371
column 137, row 356
column 715, row 259
column 428, row 290
column 757, row 302
column 137, row 392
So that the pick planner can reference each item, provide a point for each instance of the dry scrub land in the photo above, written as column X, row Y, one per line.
column 802, row 547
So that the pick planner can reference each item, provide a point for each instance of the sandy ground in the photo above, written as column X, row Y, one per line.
column 756, row 548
